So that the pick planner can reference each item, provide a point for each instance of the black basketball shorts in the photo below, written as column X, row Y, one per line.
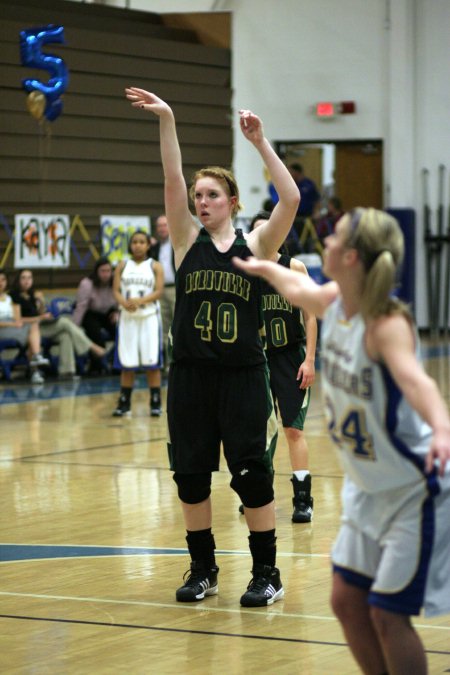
column 213, row 406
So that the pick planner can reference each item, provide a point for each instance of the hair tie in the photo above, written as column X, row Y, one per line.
column 370, row 260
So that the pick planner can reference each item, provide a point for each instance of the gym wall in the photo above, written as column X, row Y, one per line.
column 101, row 155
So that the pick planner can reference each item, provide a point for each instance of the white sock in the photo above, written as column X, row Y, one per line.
column 301, row 475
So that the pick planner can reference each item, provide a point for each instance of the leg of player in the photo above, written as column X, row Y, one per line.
column 154, row 384
column 349, row 604
column 301, row 477
column 126, row 387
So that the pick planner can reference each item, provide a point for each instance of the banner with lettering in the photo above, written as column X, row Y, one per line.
column 41, row 240
column 116, row 232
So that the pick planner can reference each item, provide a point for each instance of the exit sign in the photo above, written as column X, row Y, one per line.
column 328, row 109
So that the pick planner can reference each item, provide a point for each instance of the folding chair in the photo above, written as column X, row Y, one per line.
column 60, row 305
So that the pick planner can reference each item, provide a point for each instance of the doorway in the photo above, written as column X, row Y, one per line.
column 350, row 170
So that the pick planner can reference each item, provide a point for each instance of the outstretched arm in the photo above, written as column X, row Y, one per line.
column 299, row 289
column 307, row 371
column 391, row 340
column 182, row 226
column 265, row 240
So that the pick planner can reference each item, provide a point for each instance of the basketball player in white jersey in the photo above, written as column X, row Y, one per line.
column 138, row 284
column 392, row 429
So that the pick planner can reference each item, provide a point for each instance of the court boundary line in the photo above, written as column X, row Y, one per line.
column 129, row 551
column 196, row 608
column 177, row 630
column 199, row 608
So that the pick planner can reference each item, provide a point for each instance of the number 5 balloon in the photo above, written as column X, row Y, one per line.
column 31, row 43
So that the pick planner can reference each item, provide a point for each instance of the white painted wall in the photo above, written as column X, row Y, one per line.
column 299, row 56
column 391, row 56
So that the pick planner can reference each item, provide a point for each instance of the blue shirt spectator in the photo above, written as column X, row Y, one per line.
column 307, row 188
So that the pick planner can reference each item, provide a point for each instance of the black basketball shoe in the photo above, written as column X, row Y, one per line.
column 155, row 406
column 123, row 407
column 303, row 502
column 265, row 588
column 200, row 583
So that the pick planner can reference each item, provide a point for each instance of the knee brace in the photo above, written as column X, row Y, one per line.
column 253, row 483
column 193, row 488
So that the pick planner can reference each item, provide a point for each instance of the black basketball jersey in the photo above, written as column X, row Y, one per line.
column 283, row 323
column 218, row 318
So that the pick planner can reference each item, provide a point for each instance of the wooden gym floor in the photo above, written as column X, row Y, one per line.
column 93, row 548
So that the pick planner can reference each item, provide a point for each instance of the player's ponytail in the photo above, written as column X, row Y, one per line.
column 377, row 237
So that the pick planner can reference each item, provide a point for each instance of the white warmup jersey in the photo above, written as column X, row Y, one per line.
column 140, row 332
column 382, row 443
column 6, row 309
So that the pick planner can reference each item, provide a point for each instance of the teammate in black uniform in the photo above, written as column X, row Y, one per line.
column 291, row 346
column 218, row 389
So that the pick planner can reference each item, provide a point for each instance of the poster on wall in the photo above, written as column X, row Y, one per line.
column 41, row 240
column 116, row 232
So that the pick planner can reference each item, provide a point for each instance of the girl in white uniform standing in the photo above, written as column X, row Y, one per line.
column 392, row 429
column 138, row 283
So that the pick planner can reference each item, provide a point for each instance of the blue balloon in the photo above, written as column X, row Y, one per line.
column 31, row 43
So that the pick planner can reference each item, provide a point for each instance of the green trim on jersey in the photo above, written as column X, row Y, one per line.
column 272, row 427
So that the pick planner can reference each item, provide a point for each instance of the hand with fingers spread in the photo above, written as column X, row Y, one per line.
column 251, row 126
column 140, row 98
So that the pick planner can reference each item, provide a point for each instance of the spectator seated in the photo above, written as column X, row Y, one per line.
column 64, row 306
column 61, row 306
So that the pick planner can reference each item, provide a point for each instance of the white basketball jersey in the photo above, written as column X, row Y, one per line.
column 137, row 281
column 6, row 309
column 382, row 440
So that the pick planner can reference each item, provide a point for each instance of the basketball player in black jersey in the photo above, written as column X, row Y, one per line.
column 291, row 337
column 218, row 388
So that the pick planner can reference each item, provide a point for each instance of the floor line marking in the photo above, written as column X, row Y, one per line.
column 167, row 629
column 200, row 608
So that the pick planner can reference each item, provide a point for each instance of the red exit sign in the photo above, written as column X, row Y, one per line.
column 329, row 109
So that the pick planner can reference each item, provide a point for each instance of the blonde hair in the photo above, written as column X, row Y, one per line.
column 378, row 239
column 225, row 178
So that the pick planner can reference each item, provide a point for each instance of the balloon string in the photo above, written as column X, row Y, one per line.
column 44, row 148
